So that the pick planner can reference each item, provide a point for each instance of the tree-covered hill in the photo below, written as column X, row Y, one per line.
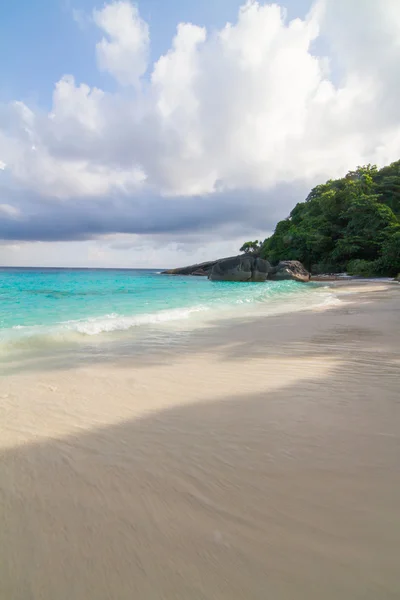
column 350, row 224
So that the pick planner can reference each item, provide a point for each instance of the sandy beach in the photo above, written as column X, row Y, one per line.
column 252, row 459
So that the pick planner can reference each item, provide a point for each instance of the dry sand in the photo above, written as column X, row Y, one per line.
column 253, row 460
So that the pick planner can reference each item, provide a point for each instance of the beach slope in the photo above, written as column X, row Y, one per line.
column 253, row 459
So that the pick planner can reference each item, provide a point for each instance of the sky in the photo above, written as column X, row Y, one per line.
column 157, row 134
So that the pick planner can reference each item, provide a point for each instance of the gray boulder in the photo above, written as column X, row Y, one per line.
column 199, row 269
column 261, row 270
column 240, row 268
column 245, row 267
column 289, row 269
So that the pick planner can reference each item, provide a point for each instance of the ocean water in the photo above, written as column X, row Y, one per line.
column 61, row 304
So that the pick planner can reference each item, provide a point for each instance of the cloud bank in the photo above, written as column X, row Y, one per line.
column 224, row 132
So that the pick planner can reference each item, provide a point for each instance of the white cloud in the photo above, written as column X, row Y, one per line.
column 54, row 154
column 235, row 112
column 9, row 210
column 124, row 52
column 113, row 252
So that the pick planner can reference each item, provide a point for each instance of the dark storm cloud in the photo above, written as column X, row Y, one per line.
column 81, row 219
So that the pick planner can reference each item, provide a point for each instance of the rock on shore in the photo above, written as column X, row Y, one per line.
column 290, row 269
column 245, row 267
column 240, row 268
column 200, row 269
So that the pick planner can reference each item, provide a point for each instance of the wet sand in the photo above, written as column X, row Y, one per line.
column 255, row 459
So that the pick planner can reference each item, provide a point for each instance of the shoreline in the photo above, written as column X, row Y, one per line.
column 107, row 328
column 238, row 301
column 250, row 456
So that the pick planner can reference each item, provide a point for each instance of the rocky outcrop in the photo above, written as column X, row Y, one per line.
column 240, row 268
column 201, row 269
column 245, row 267
column 261, row 269
column 289, row 269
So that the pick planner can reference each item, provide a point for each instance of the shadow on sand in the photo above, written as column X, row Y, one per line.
column 292, row 493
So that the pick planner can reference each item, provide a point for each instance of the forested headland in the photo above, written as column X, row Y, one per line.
column 350, row 224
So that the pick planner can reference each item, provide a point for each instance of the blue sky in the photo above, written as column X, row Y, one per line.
column 42, row 39
column 162, row 133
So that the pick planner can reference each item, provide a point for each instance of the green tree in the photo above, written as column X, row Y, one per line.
column 389, row 262
column 355, row 218
column 388, row 186
column 251, row 247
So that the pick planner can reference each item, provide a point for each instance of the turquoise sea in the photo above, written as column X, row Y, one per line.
column 57, row 304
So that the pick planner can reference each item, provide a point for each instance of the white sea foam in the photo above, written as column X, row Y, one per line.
column 115, row 322
column 330, row 301
column 96, row 325
column 74, row 331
